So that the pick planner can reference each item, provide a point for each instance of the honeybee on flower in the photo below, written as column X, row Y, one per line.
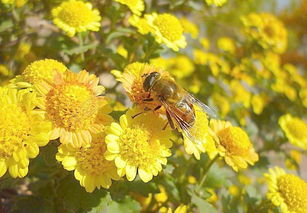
column 155, row 90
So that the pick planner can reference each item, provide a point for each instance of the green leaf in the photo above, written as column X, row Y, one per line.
column 5, row 25
column 75, row 198
column 126, row 205
column 202, row 205
column 82, row 49
column 217, row 177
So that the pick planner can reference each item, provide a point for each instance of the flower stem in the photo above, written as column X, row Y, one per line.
column 205, row 172
column 81, row 43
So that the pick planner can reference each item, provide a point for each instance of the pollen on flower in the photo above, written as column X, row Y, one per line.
column 169, row 26
column 235, row 140
column 293, row 190
column 73, row 105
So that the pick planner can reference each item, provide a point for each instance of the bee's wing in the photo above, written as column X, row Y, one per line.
column 183, row 125
column 208, row 110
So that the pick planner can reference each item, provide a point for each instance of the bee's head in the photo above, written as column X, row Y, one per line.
column 150, row 80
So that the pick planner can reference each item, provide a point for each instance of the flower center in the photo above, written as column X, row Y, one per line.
column 235, row 140
column 136, row 148
column 14, row 129
column 72, row 107
column 91, row 159
column 294, row 192
column 76, row 14
column 297, row 128
column 169, row 26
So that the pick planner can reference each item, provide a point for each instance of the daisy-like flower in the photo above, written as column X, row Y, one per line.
column 76, row 16
column 295, row 130
column 90, row 167
column 286, row 191
column 233, row 144
column 138, row 145
column 141, row 24
column 167, row 30
column 203, row 136
column 38, row 71
column 136, row 6
column 132, row 79
column 216, row 2
column 22, row 131
column 72, row 103
column 266, row 30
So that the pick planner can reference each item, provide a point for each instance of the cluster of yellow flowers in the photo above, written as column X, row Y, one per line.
column 49, row 103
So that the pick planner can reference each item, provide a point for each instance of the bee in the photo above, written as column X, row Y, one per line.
column 178, row 103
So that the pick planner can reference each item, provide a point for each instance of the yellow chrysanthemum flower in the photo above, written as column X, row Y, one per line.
column 76, row 16
column 38, row 71
column 136, row 6
column 132, row 81
column 16, row 3
column 216, row 2
column 72, row 103
column 22, row 131
column 167, row 29
column 233, row 144
column 295, row 130
column 226, row 44
column 90, row 167
column 189, row 27
column 203, row 136
column 215, row 63
column 205, row 43
column 266, row 30
column 138, row 145
column 287, row 191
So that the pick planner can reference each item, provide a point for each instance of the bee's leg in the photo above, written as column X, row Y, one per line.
column 169, row 121
column 145, row 110
column 158, row 107
column 148, row 99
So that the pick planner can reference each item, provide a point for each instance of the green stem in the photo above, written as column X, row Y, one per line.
column 205, row 172
column 81, row 43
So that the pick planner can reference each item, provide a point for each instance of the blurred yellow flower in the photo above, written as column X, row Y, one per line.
column 136, row 6
column 192, row 179
column 74, row 16
column 233, row 144
column 4, row 71
column 205, row 43
column 294, row 160
column 287, row 191
column 141, row 24
column 16, row 3
column 180, row 66
column 222, row 103
column 203, row 136
column 266, row 30
column 138, row 145
column 226, row 44
column 90, row 167
column 38, row 71
column 122, row 51
column 216, row 2
column 167, row 30
column 161, row 197
column 240, row 93
column 132, row 81
column 258, row 102
column 295, row 130
column 215, row 63
column 22, row 51
column 73, row 104
column 189, row 27
column 180, row 209
column 22, row 131
column 234, row 190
